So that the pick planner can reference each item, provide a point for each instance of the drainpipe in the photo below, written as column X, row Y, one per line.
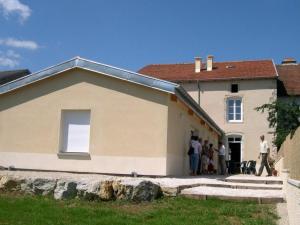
column 198, row 83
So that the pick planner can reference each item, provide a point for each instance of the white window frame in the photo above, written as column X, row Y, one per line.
column 64, row 134
column 234, row 120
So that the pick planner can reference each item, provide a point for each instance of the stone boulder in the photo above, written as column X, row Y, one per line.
column 146, row 191
column 106, row 191
column 11, row 183
column 136, row 190
column 39, row 186
column 88, row 190
column 65, row 189
column 170, row 191
column 122, row 190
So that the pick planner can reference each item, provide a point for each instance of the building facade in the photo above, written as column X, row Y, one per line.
column 229, row 92
column 84, row 116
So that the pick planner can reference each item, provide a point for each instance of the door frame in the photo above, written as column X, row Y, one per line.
column 234, row 136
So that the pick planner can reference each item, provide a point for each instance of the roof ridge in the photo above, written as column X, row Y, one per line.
column 186, row 63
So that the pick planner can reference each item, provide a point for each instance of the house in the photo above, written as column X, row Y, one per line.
column 84, row 116
column 229, row 92
column 7, row 76
column 289, row 80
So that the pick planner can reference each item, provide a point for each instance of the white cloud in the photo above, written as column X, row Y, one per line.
column 11, row 42
column 15, row 6
column 9, row 58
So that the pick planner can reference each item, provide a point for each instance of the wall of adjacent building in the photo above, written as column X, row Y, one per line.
column 213, row 96
column 180, row 125
column 128, row 125
column 288, row 166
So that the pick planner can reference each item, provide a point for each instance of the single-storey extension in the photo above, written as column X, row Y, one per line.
column 83, row 116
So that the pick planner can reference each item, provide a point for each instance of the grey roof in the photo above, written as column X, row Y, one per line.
column 10, row 75
column 115, row 72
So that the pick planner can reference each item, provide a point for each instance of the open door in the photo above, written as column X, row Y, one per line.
column 235, row 151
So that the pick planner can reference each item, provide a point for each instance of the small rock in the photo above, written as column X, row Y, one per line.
column 65, row 189
column 170, row 191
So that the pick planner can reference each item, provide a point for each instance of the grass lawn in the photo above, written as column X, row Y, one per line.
column 28, row 210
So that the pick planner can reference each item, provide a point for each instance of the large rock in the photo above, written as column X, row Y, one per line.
column 146, row 191
column 106, row 191
column 122, row 191
column 136, row 190
column 41, row 186
column 10, row 183
column 65, row 189
column 38, row 186
column 88, row 190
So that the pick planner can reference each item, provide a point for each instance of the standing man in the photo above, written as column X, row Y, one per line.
column 221, row 158
column 263, row 153
column 195, row 155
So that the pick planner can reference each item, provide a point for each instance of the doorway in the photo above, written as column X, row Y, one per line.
column 235, row 153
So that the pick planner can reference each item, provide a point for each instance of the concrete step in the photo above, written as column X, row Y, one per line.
column 261, row 196
column 244, row 186
column 253, row 179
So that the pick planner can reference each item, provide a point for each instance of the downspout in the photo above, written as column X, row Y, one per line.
column 198, row 84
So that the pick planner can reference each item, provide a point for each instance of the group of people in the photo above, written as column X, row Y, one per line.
column 201, row 157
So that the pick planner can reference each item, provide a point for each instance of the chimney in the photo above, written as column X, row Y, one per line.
column 209, row 63
column 289, row 61
column 198, row 61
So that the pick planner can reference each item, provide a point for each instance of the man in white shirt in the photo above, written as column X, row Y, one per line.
column 263, row 153
column 221, row 158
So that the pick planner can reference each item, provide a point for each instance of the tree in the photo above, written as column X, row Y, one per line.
column 284, row 116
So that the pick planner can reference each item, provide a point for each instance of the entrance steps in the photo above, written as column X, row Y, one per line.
column 239, row 187
column 253, row 179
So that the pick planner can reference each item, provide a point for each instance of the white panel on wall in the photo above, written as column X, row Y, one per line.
column 75, row 130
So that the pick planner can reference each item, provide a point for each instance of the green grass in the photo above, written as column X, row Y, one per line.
column 27, row 210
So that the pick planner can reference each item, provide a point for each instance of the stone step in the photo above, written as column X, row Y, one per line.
column 244, row 186
column 261, row 196
column 253, row 179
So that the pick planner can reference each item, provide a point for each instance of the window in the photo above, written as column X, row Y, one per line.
column 234, row 109
column 75, row 131
column 234, row 88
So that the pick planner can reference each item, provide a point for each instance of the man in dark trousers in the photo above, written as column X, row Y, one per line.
column 263, row 153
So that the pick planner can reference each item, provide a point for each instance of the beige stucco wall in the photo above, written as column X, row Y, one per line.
column 290, row 152
column 288, row 164
column 180, row 125
column 254, row 93
column 128, row 124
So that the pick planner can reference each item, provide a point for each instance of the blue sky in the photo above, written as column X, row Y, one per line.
column 129, row 34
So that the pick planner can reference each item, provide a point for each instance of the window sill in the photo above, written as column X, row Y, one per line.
column 235, row 121
column 74, row 155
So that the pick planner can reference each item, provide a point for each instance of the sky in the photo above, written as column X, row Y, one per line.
column 130, row 34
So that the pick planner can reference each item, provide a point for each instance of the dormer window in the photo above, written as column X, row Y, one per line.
column 234, row 88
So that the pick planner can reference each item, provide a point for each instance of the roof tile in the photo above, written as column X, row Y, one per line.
column 221, row 71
